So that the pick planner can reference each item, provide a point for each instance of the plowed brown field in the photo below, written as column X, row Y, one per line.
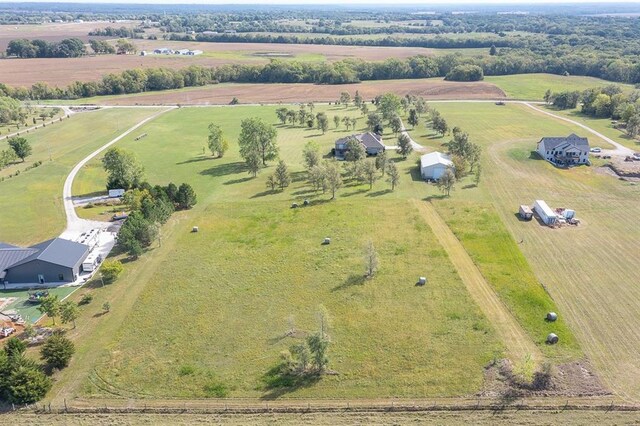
column 62, row 71
column 289, row 93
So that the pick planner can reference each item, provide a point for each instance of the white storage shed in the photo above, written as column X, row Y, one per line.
column 433, row 165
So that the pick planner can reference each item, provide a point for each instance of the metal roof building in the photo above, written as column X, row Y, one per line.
column 53, row 261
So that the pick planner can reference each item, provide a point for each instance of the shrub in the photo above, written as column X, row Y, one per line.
column 57, row 351
column 216, row 390
column 110, row 270
column 465, row 73
column 86, row 299
column 186, row 370
column 27, row 385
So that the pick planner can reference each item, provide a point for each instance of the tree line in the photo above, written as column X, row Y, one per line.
column 67, row 48
column 603, row 102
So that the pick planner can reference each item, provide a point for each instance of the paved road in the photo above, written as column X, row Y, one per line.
column 75, row 225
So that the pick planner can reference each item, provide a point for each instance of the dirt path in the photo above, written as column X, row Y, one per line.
column 518, row 344
column 620, row 150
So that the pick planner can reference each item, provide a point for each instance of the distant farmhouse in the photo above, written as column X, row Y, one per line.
column 167, row 51
column 434, row 164
column 53, row 261
column 372, row 143
column 564, row 151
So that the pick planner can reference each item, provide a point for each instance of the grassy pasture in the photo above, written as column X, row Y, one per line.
column 256, row 262
column 31, row 202
column 589, row 270
column 534, row 86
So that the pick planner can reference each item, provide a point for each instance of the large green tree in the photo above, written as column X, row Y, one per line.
column 123, row 169
column 21, row 147
column 258, row 137
column 57, row 351
column 218, row 145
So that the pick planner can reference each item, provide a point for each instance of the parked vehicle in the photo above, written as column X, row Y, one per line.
column 596, row 149
column 7, row 331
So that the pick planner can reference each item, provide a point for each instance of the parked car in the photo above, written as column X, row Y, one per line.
column 7, row 331
column 636, row 156
column 596, row 149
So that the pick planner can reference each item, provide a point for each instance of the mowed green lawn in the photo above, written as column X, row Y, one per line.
column 534, row 86
column 222, row 300
column 590, row 270
column 31, row 202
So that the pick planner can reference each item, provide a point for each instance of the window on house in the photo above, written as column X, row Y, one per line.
column 60, row 277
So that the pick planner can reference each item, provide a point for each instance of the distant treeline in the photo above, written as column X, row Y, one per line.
column 122, row 32
column 437, row 42
column 455, row 67
column 67, row 48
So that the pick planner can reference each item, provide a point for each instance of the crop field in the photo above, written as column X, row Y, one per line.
column 63, row 71
column 31, row 202
column 253, row 93
column 54, row 31
column 590, row 270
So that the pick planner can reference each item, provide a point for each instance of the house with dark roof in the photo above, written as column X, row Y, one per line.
column 564, row 151
column 372, row 143
column 53, row 261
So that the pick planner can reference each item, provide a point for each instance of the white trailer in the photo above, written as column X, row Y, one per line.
column 116, row 193
column 91, row 262
column 548, row 216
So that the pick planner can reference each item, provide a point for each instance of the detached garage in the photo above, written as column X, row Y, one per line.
column 433, row 165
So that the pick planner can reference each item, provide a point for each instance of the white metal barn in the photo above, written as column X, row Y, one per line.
column 433, row 165
column 545, row 212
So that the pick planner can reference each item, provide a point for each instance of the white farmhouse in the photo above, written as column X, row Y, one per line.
column 564, row 151
column 433, row 165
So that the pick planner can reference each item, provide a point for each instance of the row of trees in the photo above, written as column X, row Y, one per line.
column 67, row 48
column 346, row 71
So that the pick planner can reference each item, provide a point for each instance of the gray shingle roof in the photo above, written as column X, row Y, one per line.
column 57, row 251
column 368, row 140
column 573, row 139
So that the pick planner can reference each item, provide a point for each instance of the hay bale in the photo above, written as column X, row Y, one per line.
column 306, row 202
column 552, row 339
column 422, row 280
column 294, row 205
column 552, row 316
column 195, row 229
column 326, row 241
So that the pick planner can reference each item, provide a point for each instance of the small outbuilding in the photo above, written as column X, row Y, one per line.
column 434, row 164
column 525, row 213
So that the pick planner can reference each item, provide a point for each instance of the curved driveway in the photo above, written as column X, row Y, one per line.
column 75, row 225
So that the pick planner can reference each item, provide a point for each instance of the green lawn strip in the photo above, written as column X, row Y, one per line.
column 534, row 86
column 503, row 265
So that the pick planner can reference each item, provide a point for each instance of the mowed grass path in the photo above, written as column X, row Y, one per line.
column 31, row 202
column 590, row 271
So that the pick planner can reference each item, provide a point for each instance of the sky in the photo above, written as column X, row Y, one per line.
column 423, row 3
